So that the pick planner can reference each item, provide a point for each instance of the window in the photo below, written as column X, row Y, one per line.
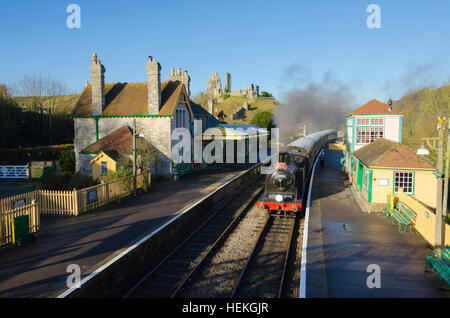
column 103, row 168
column 369, row 129
column 365, row 177
column 363, row 122
column 181, row 121
column 405, row 181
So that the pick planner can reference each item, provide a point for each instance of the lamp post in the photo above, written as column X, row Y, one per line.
column 135, row 133
column 441, row 198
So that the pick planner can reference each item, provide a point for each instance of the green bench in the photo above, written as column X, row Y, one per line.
column 402, row 216
column 184, row 168
column 441, row 263
column 387, row 211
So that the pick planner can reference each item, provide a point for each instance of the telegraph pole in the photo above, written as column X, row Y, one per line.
column 447, row 167
column 134, row 157
column 441, row 198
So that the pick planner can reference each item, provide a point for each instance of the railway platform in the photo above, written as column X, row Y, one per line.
column 38, row 268
column 344, row 245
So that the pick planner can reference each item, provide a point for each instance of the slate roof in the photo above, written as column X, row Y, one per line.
column 111, row 153
column 120, row 141
column 389, row 154
column 198, row 110
column 375, row 107
column 130, row 99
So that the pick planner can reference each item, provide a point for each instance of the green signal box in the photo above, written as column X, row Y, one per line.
column 21, row 229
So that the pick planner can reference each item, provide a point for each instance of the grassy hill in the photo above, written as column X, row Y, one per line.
column 232, row 103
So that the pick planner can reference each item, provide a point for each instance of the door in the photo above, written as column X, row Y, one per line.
column 360, row 174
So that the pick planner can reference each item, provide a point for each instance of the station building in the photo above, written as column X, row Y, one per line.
column 383, row 167
column 368, row 123
column 378, row 164
column 105, row 114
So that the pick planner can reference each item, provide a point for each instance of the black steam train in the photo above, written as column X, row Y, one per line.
column 285, row 186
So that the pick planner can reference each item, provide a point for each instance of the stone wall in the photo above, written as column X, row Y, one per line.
column 84, row 135
column 157, row 131
column 252, row 91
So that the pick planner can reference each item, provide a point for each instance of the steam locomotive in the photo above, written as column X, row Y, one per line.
column 285, row 186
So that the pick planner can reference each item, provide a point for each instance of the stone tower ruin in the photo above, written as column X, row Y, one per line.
column 213, row 85
column 228, row 82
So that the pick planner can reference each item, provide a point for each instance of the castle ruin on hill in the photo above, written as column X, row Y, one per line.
column 214, row 87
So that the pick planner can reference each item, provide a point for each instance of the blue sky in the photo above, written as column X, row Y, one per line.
column 256, row 41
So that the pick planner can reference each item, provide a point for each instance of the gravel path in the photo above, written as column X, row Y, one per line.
column 264, row 272
column 219, row 275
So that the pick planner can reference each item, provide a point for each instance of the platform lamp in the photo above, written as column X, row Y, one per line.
column 437, row 143
column 139, row 133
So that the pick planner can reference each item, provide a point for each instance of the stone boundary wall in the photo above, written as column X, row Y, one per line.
column 122, row 274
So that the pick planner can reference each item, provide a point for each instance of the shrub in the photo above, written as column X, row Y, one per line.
column 266, row 94
column 67, row 161
column 117, row 175
column 263, row 120
column 53, row 181
column 80, row 181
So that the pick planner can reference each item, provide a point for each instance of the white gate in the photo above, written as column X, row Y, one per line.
column 14, row 172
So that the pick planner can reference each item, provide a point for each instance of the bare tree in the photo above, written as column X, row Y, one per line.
column 43, row 94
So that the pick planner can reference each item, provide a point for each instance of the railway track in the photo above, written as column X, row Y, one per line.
column 172, row 273
column 264, row 273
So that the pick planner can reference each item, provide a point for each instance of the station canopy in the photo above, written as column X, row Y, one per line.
column 234, row 132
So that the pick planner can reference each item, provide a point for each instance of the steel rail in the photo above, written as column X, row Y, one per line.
column 259, row 242
column 245, row 207
column 186, row 240
column 249, row 258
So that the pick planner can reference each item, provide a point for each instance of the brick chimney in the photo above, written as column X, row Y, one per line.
column 154, row 86
column 98, row 85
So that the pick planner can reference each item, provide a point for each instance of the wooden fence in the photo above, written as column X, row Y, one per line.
column 56, row 202
column 6, row 218
column 68, row 203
